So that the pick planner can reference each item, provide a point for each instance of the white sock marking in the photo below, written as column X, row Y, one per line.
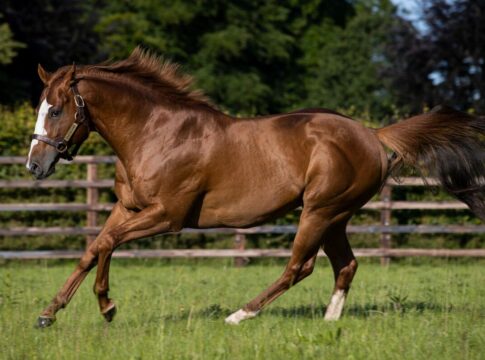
column 240, row 315
column 39, row 127
column 334, row 309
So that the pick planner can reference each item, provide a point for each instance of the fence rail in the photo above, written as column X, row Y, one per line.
column 234, row 253
column 269, row 229
column 92, row 207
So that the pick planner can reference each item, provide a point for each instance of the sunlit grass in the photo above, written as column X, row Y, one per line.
column 176, row 310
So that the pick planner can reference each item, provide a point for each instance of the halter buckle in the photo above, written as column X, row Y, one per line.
column 61, row 147
column 78, row 99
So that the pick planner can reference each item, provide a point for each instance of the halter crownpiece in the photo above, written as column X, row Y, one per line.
column 62, row 144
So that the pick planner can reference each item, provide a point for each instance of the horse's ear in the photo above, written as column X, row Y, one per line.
column 45, row 76
column 71, row 73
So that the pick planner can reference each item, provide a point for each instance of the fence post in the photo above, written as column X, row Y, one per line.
column 240, row 244
column 386, row 195
column 92, row 197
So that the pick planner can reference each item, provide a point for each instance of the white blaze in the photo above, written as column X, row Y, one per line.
column 39, row 126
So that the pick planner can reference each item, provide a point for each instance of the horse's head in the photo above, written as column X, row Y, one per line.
column 62, row 123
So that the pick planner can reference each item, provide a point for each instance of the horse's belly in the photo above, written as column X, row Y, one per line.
column 244, row 212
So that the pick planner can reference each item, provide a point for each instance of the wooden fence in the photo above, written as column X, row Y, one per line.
column 92, row 207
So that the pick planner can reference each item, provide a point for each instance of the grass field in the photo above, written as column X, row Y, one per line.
column 176, row 310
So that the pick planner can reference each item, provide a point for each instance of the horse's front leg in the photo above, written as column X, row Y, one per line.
column 119, row 215
column 87, row 262
column 150, row 221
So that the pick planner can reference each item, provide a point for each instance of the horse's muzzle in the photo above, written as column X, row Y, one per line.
column 38, row 172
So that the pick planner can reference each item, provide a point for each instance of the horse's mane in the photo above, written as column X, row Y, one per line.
column 151, row 70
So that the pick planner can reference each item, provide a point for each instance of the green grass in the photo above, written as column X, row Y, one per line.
column 176, row 310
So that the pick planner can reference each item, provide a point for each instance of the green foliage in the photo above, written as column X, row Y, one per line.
column 176, row 310
column 55, row 33
column 203, row 40
column 343, row 62
column 8, row 46
column 243, row 54
column 17, row 125
column 259, row 57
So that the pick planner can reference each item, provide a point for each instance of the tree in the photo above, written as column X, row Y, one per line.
column 8, row 50
column 56, row 33
column 343, row 63
column 244, row 54
column 8, row 46
column 250, row 57
column 444, row 60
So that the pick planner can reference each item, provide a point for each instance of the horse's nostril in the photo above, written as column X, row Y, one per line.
column 35, row 169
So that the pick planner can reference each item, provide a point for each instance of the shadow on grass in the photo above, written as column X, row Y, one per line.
column 360, row 311
column 215, row 311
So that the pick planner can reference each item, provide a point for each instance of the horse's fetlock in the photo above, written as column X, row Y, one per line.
column 60, row 301
column 100, row 290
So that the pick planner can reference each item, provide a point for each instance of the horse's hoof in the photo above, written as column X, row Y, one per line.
column 44, row 321
column 110, row 312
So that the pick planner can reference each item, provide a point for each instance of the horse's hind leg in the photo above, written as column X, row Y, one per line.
column 305, row 248
column 337, row 248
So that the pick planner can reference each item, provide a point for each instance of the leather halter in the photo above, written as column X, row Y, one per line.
column 62, row 144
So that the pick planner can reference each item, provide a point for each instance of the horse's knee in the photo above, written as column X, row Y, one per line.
column 106, row 244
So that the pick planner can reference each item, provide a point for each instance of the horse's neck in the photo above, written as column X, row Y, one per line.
column 128, row 123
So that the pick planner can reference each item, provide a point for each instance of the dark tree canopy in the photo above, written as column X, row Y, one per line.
column 244, row 54
column 55, row 32
column 444, row 62
column 259, row 57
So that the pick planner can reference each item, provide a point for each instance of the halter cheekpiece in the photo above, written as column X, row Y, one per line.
column 62, row 144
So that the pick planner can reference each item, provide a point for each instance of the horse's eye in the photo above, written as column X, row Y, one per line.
column 55, row 113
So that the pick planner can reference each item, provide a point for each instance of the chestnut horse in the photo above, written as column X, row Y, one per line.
column 182, row 163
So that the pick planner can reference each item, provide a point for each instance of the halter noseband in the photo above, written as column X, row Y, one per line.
column 62, row 144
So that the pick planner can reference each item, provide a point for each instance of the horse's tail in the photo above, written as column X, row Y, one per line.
column 448, row 145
